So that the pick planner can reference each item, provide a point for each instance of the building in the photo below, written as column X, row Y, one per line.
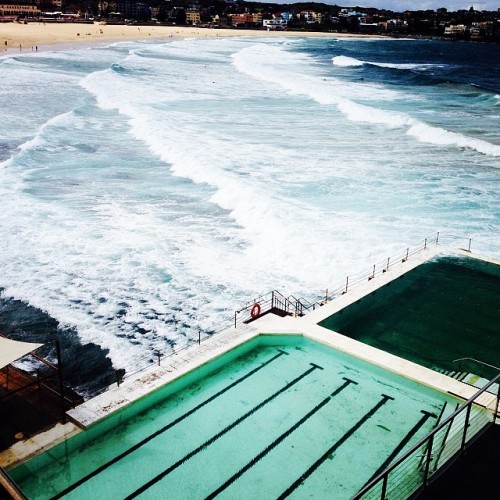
column 27, row 8
column 246, row 19
column 311, row 16
column 454, row 30
column 278, row 23
column 192, row 16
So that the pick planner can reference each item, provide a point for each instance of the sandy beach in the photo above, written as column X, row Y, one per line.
column 44, row 36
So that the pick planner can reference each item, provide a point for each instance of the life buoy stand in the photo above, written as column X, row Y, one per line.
column 255, row 312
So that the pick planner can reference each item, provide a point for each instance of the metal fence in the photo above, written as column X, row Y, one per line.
column 275, row 301
column 414, row 470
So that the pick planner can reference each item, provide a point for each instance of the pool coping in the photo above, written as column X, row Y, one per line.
column 154, row 377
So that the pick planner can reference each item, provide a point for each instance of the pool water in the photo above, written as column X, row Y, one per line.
column 441, row 311
column 280, row 417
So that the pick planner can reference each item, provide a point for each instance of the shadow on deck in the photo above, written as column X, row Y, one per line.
column 473, row 475
column 28, row 407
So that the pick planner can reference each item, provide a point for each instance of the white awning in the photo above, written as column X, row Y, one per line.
column 10, row 350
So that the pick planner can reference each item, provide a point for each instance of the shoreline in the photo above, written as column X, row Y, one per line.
column 39, row 36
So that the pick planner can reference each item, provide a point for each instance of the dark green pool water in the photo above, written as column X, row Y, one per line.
column 441, row 311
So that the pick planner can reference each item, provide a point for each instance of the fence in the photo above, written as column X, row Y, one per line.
column 442, row 447
column 275, row 302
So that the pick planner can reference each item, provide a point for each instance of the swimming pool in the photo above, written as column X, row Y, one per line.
column 280, row 416
column 442, row 311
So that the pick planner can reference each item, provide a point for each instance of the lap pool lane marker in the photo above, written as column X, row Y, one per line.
column 334, row 447
column 224, row 431
column 278, row 440
column 399, row 448
column 165, row 428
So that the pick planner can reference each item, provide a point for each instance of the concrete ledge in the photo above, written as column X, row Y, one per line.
column 24, row 450
column 140, row 385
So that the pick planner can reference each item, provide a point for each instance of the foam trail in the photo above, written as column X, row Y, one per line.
column 168, row 188
column 346, row 62
column 260, row 62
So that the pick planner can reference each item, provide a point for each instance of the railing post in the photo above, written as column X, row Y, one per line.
column 235, row 313
column 437, row 238
column 384, row 487
column 326, row 296
column 373, row 275
column 60, row 376
column 346, row 284
column 199, row 336
column 425, row 243
column 159, row 356
column 496, row 408
column 272, row 300
column 428, row 461
column 470, row 241
column 466, row 424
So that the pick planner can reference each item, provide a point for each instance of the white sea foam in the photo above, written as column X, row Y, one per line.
column 405, row 65
column 346, row 62
column 153, row 199
column 297, row 82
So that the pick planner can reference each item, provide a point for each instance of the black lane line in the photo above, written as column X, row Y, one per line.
column 166, row 427
column 340, row 442
column 403, row 443
column 278, row 440
column 214, row 438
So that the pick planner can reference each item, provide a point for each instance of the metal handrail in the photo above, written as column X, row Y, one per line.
column 476, row 361
column 268, row 300
column 428, row 439
column 275, row 300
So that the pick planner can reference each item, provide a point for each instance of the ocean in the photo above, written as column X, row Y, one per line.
column 151, row 188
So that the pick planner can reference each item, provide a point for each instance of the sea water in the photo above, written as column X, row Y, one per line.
column 150, row 188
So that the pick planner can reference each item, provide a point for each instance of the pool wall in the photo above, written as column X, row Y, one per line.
column 129, row 407
column 334, row 364
column 160, row 381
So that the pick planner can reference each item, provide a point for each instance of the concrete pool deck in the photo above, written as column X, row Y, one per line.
column 154, row 377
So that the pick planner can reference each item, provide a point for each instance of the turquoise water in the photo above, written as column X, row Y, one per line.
column 150, row 188
column 279, row 417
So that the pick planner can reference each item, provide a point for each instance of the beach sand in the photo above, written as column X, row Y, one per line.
column 30, row 37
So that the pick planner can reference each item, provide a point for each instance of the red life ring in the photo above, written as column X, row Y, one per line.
column 255, row 313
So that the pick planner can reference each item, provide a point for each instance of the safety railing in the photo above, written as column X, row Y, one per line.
column 156, row 359
column 278, row 303
column 476, row 362
column 274, row 302
column 414, row 470
column 266, row 303
column 380, row 267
